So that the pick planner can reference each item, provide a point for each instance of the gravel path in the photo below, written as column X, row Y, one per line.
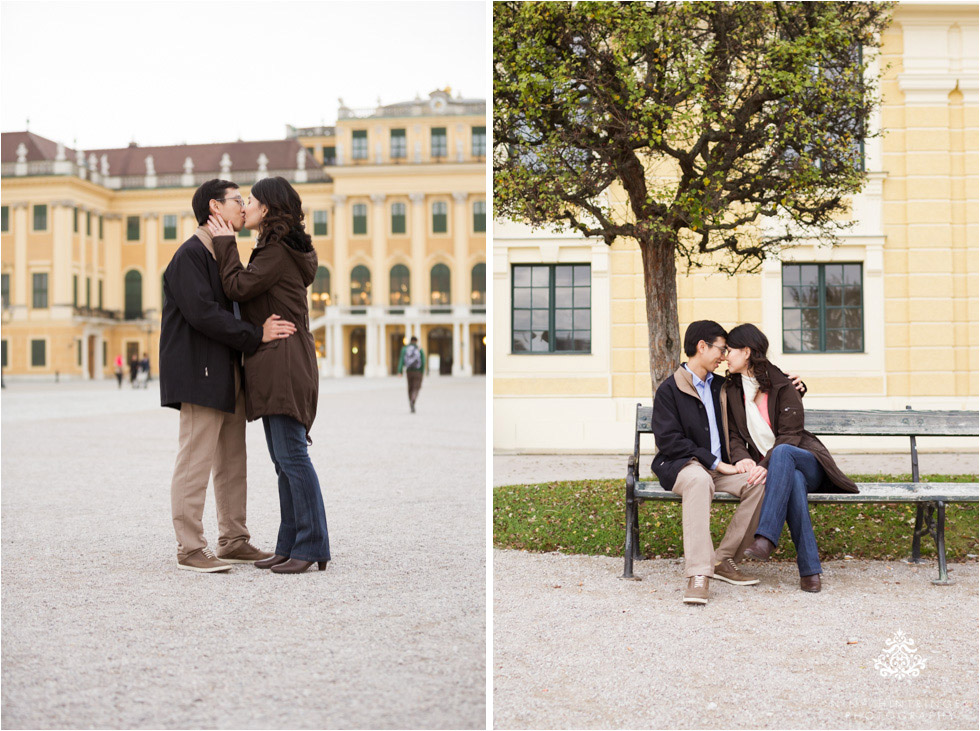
column 577, row 647
column 101, row 630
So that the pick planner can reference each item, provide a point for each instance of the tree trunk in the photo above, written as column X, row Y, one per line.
column 660, row 287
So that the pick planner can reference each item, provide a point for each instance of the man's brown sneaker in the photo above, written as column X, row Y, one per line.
column 244, row 553
column 203, row 561
column 697, row 590
column 728, row 571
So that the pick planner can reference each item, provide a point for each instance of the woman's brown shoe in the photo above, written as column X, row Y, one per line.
column 810, row 583
column 760, row 550
column 268, row 563
column 295, row 566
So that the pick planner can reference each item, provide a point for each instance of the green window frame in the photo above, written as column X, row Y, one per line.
column 398, row 218
column 478, row 141
column 134, row 295
column 480, row 217
column 440, row 285
column 440, row 217
column 3, row 353
column 88, row 291
column 41, row 217
column 170, row 227
column 5, row 219
column 437, row 142
column 320, row 295
column 359, row 145
column 88, row 223
column 78, row 352
column 329, row 155
column 359, row 213
column 478, row 284
column 399, row 286
column 319, row 223
column 245, row 233
column 132, row 228
column 74, row 290
column 360, row 286
column 551, row 309
column 39, row 290
column 399, row 144
column 100, row 294
column 5, row 289
column 823, row 308
column 39, row 355
column 101, row 220
column 74, row 219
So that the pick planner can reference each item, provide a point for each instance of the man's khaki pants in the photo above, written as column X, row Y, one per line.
column 210, row 441
column 696, row 485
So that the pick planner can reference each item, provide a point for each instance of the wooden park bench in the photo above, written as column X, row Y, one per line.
column 930, row 498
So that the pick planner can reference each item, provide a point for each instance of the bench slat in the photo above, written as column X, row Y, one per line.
column 870, row 423
column 871, row 492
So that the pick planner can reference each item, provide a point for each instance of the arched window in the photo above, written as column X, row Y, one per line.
column 134, row 295
column 439, row 284
column 400, row 288
column 360, row 286
column 478, row 284
column 320, row 296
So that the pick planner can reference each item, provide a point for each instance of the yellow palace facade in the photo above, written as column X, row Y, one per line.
column 395, row 199
column 886, row 320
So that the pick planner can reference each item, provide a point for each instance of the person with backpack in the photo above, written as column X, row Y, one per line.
column 412, row 361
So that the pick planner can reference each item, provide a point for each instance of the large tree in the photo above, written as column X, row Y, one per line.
column 732, row 129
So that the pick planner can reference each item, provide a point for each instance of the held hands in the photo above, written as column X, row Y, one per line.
column 757, row 475
column 219, row 226
column 275, row 328
column 726, row 469
column 744, row 465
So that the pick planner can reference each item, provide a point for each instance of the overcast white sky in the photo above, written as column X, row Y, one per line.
column 161, row 73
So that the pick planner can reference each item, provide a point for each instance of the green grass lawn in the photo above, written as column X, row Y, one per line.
column 587, row 516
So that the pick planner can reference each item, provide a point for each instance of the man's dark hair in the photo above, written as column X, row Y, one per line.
column 211, row 190
column 706, row 330
column 414, row 339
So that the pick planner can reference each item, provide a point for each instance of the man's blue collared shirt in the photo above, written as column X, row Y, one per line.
column 704, row 392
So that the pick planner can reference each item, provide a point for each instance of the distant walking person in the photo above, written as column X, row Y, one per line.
column 201, row 346
column 119, row 369
column 134, row 369
column 412, row 361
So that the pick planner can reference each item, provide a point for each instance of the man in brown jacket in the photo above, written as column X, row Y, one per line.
column 201, row 342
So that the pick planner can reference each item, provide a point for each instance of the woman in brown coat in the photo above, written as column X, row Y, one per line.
column 763, row 423
column 281, row 378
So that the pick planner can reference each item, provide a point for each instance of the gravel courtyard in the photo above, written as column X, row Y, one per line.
column 101, row 630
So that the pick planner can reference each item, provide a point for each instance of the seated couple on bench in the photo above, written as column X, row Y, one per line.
column 741, row 434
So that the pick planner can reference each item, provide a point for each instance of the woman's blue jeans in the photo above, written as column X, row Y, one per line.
column 303, row 522
column 793, row 472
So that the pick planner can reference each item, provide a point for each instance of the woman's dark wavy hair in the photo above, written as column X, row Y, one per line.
column 751, row 337
column 285, row 213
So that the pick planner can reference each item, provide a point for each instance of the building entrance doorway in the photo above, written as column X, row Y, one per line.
column 441, row 344
column 479, row 354
column 357, row 355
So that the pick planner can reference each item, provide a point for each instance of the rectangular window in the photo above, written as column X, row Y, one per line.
column 398, row 218
column 438, row 141
column 319, row 223
column 74, row 290
column 170, row 227
column 245, row 233
column 360, row 218
column 399, row 144
column 551, row 308
column 312, row 151
column 100, row 294
column 39, row 357
column 40, row 291
column 439, row 217
column 105, row 352
column 5, row 219
column 3, row 353
column 74, row 219
column 479, row 142
column 329, row 155
column 132, row 228
column 101, row 218
column 359, row 149
column 78, row 352
column 88, row 291
column 480, row 217
column 88, row 223
column 41, row 217
column 823, row 308
column 5, row 289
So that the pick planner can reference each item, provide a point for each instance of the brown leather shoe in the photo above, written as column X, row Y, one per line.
column 268, row 563
column 810, row 583
column 244, row 553
column 202, row 561
column 760, row 550
column 697, row 590
column 295, row 566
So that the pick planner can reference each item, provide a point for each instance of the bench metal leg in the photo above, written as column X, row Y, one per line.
column 923, row 525
column 628, row 547
column 636, row 532
column 940, row 536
